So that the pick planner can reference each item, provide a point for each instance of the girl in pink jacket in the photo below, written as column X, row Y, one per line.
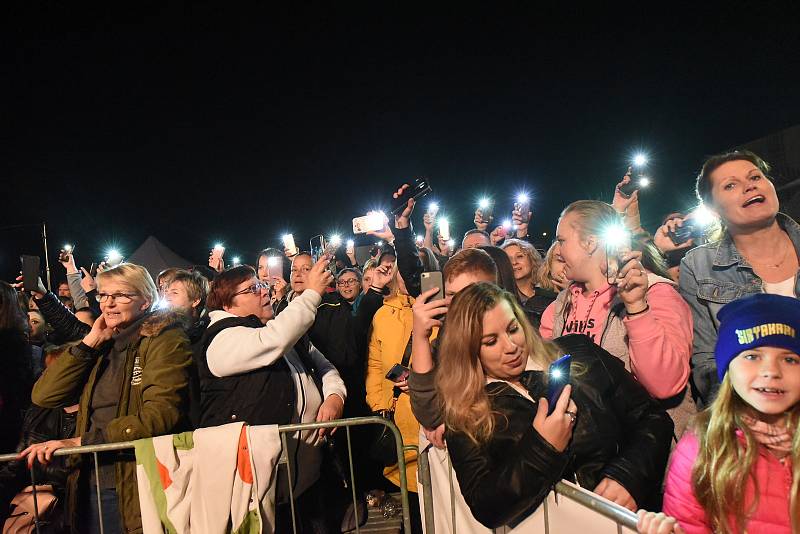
column 739, row 469
column 635, row 315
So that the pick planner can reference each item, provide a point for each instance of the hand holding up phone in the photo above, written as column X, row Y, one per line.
column 556, row 428
column 632, row 282
column 319, row 277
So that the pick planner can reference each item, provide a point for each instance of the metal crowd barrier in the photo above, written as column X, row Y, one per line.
column 94, row 450
column 588, row 503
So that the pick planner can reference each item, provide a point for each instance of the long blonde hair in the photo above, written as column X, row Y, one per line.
column 724, row 464
column 460, row 380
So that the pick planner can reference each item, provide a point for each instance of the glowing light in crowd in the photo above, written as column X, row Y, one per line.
column 113, row 257
column 507, row 224
column 219, row 248
column 703, row 216
column 615, row 235
column 484, row 203
column 420, row 239
column 644, row 181
column 555, row 373
column 451, row 243
column 67, row 248
column 379, row 243
column 375, row 220
column 350, row 244
column 433, row 208
column 288, row 243
column 523, row 198
column 444, row 228
column 336, row 240
column 236, row 261
column 272, row 261
column 640, row 159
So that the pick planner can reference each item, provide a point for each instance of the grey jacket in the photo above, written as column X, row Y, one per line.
column 713, row 275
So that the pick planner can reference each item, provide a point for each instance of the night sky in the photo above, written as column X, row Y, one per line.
column 214, row 123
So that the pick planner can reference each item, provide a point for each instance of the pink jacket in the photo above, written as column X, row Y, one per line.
column 659, row 341
column 774, row 483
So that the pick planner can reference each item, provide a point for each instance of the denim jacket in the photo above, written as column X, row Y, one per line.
column 713, row 275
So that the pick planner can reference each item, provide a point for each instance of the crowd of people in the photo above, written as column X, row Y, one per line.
column 683, row 401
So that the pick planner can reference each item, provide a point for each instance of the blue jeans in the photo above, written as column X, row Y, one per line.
column 112, row 523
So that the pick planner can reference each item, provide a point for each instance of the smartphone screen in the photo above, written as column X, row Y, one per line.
column 30, row 272
column 418, row 189
column 557, row 377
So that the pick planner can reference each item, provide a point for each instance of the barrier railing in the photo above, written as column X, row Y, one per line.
column 284, row 430
column 583, row 511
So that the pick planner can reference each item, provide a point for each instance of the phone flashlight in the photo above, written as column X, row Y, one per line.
column 523, row 198
column 507, row 224
column 219, row 248
column 67, row 248
column 351, row 245
column 272, row 261
column 444, row 229
column 288, row 244
column 639, row 159
column 113, row 257
column 419, row 239
column 451, row 243
column 644, row 181
column 484, row 203
column 236, row 260
column 433, row 209
column 336, row 240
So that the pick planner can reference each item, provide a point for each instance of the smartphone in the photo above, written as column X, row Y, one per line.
column 417, row 190
column 288, row 244
column 30, row 272
column 396, row 372
column 317, row 245
column 614, row 261
column 628, row 189
column 371, row 222
column 684, row 233
column 523, row 208
column 557, row 377
column 430, row 280
column 487, row 213
column 64, row 253
column 93, row 269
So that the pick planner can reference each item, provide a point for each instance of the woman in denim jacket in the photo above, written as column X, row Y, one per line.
column 758, row 252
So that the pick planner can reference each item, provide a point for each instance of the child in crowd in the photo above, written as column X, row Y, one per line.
column 739, row 469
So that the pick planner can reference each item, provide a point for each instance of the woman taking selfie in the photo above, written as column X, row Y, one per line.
column 130, row 374
column 507, row 452
column 635, row 315
column 756, row 254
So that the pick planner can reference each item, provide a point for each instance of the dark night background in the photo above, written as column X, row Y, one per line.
column 237, row 123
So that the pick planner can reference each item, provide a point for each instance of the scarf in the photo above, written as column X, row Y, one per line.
column 777, row 439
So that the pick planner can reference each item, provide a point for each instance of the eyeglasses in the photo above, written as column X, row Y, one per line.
column 351, row 282
column 122, row 298
column 255, row 289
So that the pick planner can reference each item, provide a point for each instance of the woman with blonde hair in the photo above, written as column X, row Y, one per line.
column 738, row 468
column 636, row 315
column 551, row 272
column 507, row 452
column 390, row 344
column 130, row 372
column 526, row 262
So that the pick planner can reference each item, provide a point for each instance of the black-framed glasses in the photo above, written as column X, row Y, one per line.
column 122, row 298
column 350, row 282
column 255, row 289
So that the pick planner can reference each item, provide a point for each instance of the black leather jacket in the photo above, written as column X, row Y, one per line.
column 620, row 433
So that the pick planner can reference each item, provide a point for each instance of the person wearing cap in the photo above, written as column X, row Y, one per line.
column 739, row 468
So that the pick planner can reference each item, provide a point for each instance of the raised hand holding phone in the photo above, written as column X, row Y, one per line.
column 319, row 277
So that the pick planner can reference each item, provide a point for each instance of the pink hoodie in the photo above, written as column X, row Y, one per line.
column 773, row 479
column 659, row 340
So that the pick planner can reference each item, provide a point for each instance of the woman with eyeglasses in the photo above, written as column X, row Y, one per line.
column 130, row 374
column 258, row 369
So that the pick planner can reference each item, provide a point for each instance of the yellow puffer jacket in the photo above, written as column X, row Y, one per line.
column 391, row 330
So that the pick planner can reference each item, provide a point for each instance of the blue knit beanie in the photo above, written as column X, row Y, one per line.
column 756, row 321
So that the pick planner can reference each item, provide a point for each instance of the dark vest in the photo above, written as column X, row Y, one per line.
column 263, row 396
